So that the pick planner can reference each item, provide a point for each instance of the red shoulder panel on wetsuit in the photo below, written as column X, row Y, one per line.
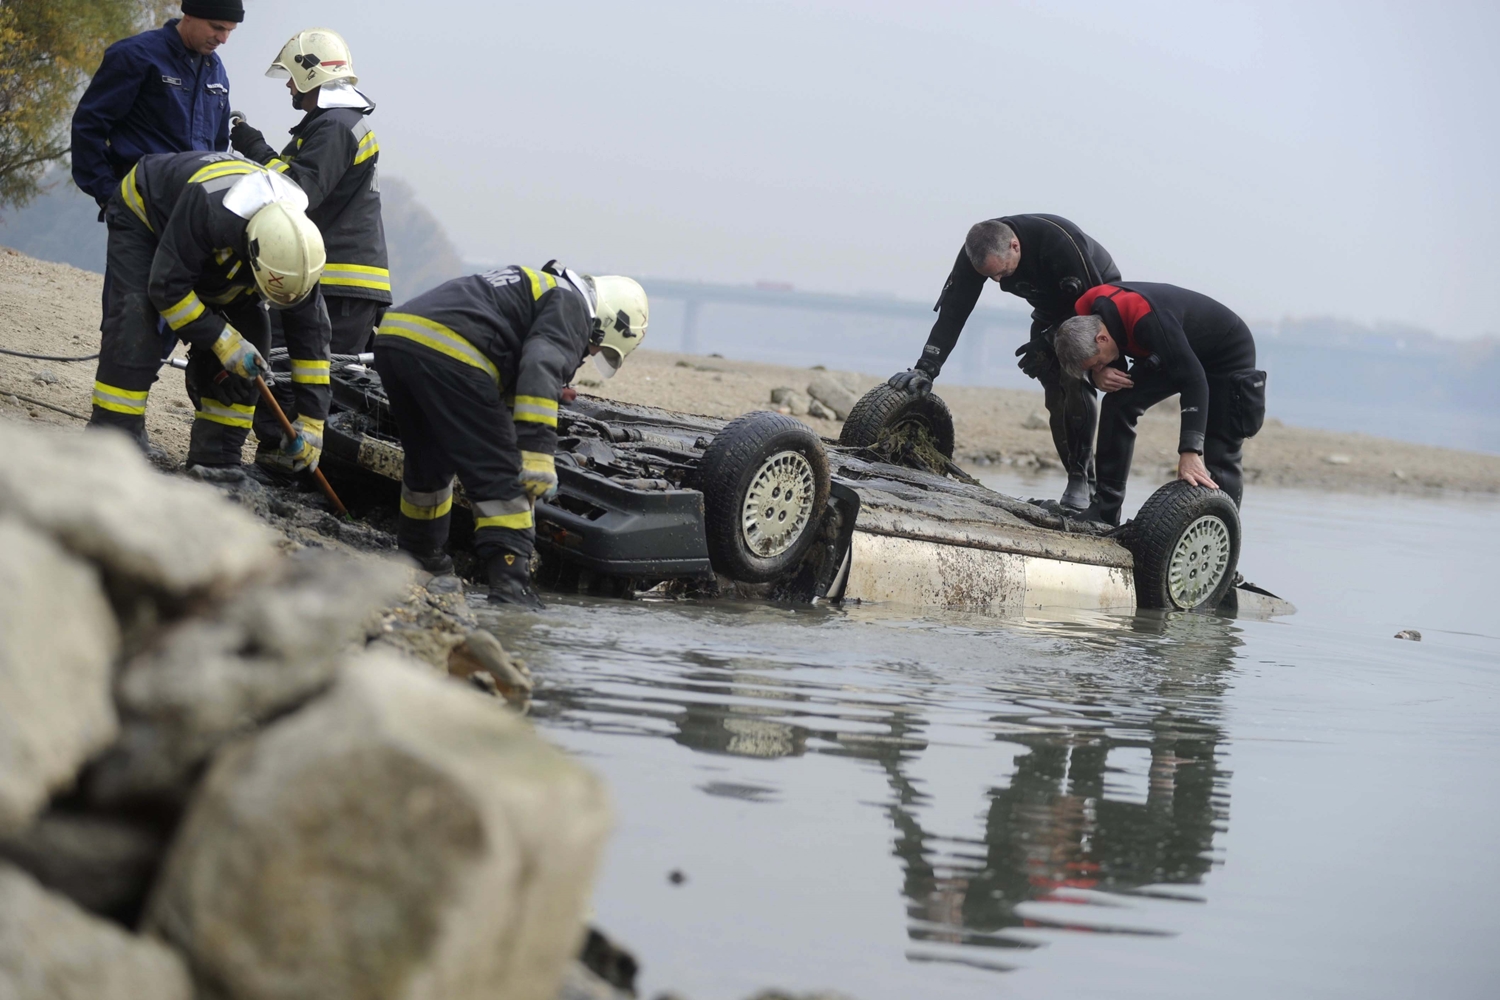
column 1131, row 306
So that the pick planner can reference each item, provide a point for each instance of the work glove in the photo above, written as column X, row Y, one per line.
column 914, row 381
column 246, row 138
column 210, row 378
column 538, row 475
column 238, row 355
column 1036, row 357
column 303, row 450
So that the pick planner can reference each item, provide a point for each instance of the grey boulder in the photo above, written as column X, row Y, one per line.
column 833, row 394
column 97, row 496
column 401, row 837
column 51, row 950
column 58, row 642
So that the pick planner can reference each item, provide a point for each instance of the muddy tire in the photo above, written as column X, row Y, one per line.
column 883, row 411
column 764, row 480
column 1186, row 543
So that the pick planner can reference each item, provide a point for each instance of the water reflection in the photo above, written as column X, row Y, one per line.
column 1112, row 726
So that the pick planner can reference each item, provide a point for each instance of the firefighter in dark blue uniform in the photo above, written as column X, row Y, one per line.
column 162, row 91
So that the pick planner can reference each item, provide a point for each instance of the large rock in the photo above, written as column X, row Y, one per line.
column 401, row 837
column 272, row 647
column 58, row 641
column 96, row 495
column 51, row 950
column 832, row 393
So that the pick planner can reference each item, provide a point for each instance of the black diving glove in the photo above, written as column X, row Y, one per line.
column 917, row 381
column 1036, row 357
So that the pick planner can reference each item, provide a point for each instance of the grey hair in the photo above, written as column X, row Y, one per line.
column 986, row 240
column 1075, row 344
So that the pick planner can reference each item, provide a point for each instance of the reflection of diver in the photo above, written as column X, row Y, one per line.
column 1053, row 826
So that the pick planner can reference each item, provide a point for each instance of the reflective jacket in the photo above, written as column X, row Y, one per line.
column 150, row 95
column 1058, row 263
column 1176, row 334
column 521, row 327
column 333, row 156
column 200, row 261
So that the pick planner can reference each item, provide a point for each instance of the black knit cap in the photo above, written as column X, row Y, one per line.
column 215, row 10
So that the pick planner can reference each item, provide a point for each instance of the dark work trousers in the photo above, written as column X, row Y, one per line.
column 1223, row 447
column 452, row 420
column 353, row 321
column 132, row 344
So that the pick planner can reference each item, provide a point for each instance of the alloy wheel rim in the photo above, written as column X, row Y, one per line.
column 1199, row 561
column 778, row 504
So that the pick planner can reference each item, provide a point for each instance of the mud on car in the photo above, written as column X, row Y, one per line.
column 652, row 499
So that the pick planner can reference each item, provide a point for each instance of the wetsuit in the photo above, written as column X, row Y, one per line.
column 473, row 370
column 1181, row 342
column 1058, row 262
column 177, row 253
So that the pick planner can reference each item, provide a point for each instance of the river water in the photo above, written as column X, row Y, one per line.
column 897, row 805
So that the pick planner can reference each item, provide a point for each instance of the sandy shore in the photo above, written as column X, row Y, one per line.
column 54, row 309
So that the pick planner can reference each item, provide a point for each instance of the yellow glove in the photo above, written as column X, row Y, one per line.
column 538, row 475
column 238, row 355
column 303, row 451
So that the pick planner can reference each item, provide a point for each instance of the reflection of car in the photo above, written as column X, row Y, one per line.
column 648, row 496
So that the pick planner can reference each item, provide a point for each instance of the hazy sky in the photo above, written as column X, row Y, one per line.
column 1290, row 159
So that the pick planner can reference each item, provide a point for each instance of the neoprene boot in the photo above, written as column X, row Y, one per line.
column 510, row 586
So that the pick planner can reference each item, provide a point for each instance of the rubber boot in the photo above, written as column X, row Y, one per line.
column 507, row 586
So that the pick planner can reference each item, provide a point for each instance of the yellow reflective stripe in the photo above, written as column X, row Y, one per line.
column 437, row 337
column 117, row 400
column 310, row 372
column 224, row 168
column 536, row 410
column 184, row 312
column 541, row 281
column 228, row 414
column 426, row 506
column 133, row 199
column 368, row 147
column 279, row 165
column 357, row 276
column 515, row 521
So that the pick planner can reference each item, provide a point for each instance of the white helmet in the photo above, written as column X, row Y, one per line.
column 620, row 316
column 312, row 58
column 286, row 253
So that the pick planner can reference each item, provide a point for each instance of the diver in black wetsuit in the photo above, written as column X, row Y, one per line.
column 1049, row 262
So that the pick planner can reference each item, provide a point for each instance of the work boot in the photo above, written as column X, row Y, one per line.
column 507, row 586
column 435, row 561
column 218, row 473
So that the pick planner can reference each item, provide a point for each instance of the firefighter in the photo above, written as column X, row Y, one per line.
column 473, row 370
column 333, row 156
column 1179, row 341
column 1049, row 262
column 203, row 242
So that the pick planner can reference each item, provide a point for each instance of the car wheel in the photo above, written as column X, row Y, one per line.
column 765, row 484
column 1186, row 543
column 902, row 427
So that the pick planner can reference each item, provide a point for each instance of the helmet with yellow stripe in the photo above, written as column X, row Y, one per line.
column 313, row 58
column 286, row 253
column 620, row 316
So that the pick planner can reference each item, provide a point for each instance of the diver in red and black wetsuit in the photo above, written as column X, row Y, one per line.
column 1178, row 341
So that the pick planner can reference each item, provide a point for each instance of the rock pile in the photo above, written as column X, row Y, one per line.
column 224, row 775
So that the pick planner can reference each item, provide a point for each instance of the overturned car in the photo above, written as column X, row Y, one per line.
column 654, row 499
